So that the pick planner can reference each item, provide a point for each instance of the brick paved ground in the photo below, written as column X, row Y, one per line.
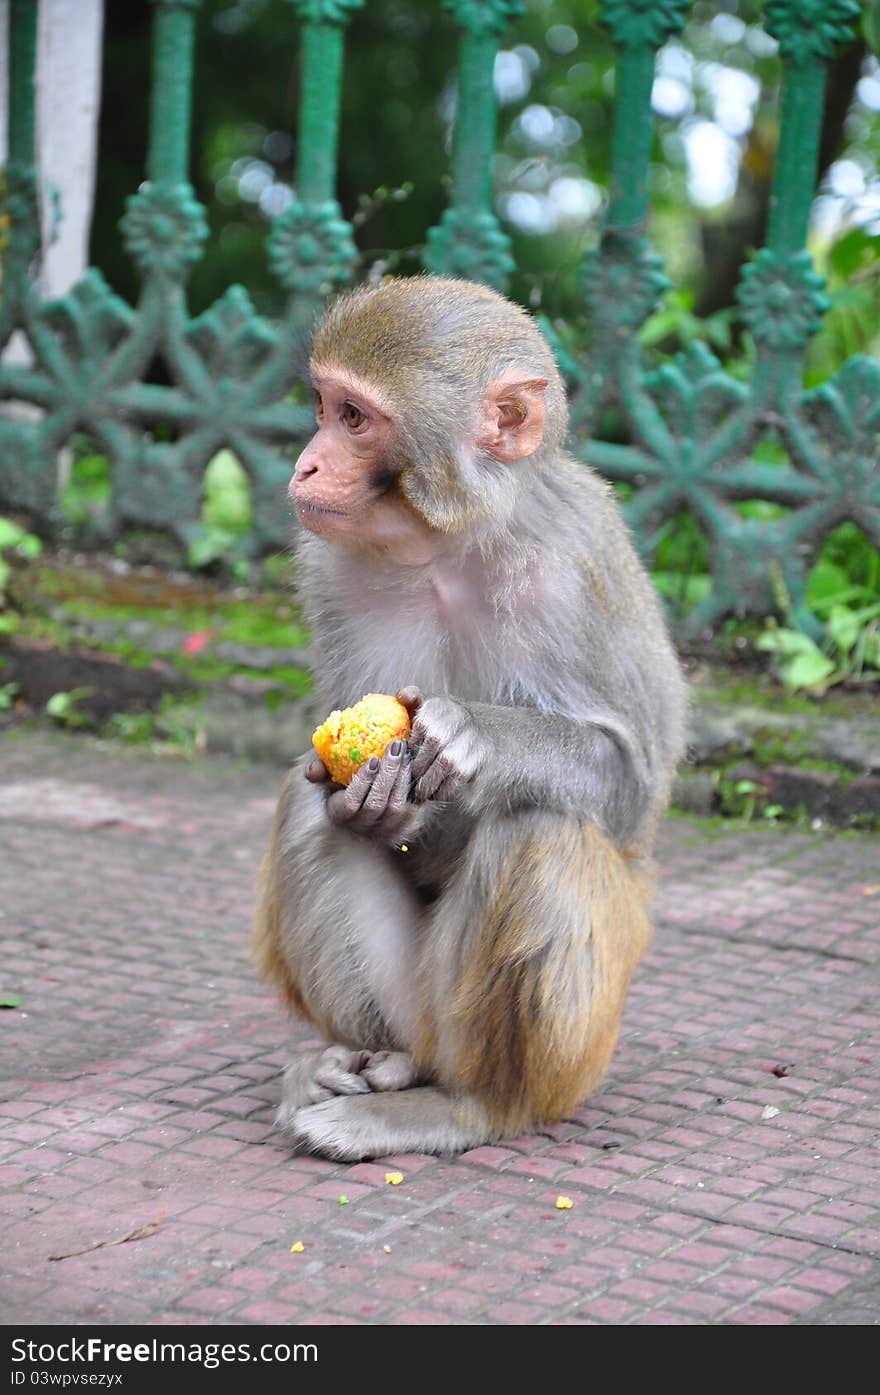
column 140, row 1074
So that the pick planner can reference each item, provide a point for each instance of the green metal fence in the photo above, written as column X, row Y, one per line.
column 691, row 429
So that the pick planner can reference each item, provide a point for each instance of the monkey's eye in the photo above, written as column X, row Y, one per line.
column 319, row 405
column 352, row 416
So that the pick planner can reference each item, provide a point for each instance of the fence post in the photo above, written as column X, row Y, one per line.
column 468, row 240
column 781, row 296
column 311, row 250
column 22, row 233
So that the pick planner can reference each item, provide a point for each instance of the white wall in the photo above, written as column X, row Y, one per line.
column 68, row 103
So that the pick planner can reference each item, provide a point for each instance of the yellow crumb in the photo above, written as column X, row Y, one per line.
column 404, row 847
column 564, row 1203
column 394, row 1178
column 350, row 737
column 387, row 1249
column 298, row 1248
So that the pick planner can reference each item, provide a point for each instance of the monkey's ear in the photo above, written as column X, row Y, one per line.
column 514, row 414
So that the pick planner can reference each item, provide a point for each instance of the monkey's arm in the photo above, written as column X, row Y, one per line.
column 503, row 758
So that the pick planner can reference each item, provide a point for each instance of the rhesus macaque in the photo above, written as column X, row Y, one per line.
column 451, row 553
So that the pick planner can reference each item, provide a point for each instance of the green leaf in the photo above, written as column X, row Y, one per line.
column 871, row 24
column 825, row 580
column 806, row 670
column 58, row 705
column 779, row 640
column 9, row 1000
column 5, row 570
column 62, row 705
column 227, row 505
column 30, row 547
column 10, row 534
column 211, row 545
column 843, row 628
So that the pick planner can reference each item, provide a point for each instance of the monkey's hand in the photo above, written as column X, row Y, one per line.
column 377, row 803
column 448, row 749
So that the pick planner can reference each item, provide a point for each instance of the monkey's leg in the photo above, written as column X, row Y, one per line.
column 336, row 928
column 315, row 1076
column 526, row 967
column 426, row 1119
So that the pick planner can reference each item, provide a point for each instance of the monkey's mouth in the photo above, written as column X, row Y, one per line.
column 320, row 510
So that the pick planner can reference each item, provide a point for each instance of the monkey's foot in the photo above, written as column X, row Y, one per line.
column 340, row 1071
column 420, row 1120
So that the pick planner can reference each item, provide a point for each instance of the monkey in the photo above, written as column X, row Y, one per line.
column 461, row 922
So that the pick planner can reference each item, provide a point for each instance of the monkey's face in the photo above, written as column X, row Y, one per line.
column 344, row 485
column 377, row 475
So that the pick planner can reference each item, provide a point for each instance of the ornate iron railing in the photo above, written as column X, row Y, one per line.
column 689, row 428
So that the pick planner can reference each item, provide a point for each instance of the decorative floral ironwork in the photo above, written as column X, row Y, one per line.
column 695, row 396
column 623, row 280
column 311, row 248
column 782, row 299
column 845, row 416
column 481, row 17
column 687, row 435
column 90, row 320
column 154, row 486
column 230, row 337
column 469, row 243
column 809, row 29
column 326, row 11
column 164, row 228
column 643, row 23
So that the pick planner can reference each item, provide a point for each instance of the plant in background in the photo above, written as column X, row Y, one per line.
column 850, row 651
column 16, row 545
column 64, row 708
column 85, row 496
column 226, row 514
column 15, row 542
column 8, row 694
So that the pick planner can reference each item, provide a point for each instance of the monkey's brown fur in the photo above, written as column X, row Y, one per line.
column 534, row 1014
column 498, row 951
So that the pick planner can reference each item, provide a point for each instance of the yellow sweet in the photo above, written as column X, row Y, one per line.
column 349, row 738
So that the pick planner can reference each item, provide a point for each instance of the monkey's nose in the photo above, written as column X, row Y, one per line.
column 302, row 470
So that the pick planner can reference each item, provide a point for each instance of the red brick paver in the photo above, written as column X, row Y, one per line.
column 727, row 1172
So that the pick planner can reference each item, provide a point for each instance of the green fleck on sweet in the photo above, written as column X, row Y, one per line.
column 354, row 755
column 343, row 1201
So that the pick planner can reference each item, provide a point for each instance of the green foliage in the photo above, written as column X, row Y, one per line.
column 871, row 24
column 8, row 694
column 15, row 542
column 747, row 800
column 226, row 513
column 845, row 595
column 852, row 325
column 177, row 729
column 676, row 322
column 64, row 708
column 85, row 498
column 681, row 564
